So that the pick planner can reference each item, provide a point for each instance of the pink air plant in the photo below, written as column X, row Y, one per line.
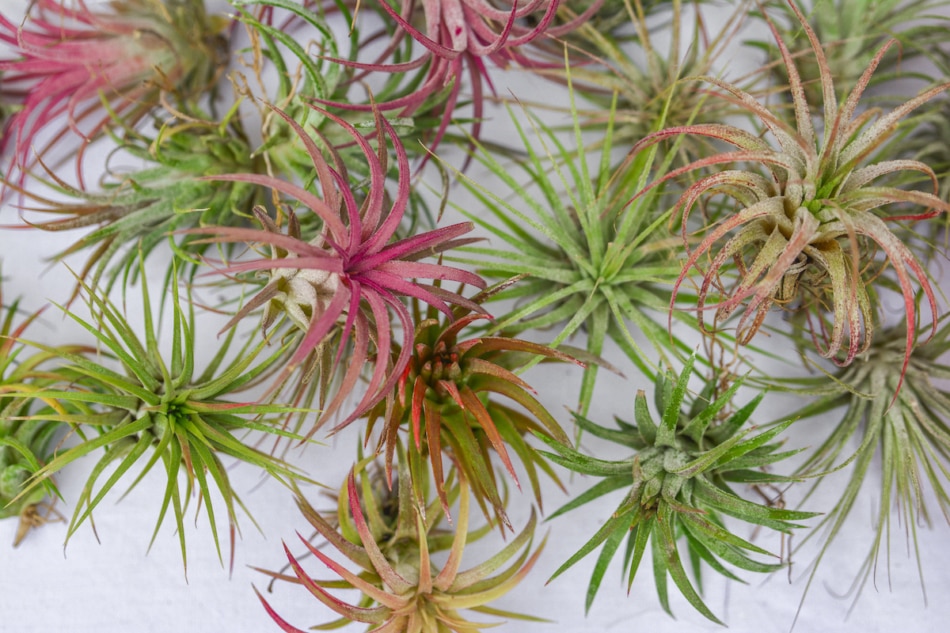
column 458, row 38
column 353, row 275
column 72, row 60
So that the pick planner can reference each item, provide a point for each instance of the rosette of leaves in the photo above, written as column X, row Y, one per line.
column 908, row 434
column 587, row 259
column 678, row 483
column 448, row 397
column 132, row 213
column 807, row 225
column 158, row 410
column 851, row 33
column 401, row 589
column 345, row 282
column 97, row 67
column 654, row 92
column 26, row 436
column 459, row 41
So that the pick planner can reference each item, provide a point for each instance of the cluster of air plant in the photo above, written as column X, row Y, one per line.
column 278, row 157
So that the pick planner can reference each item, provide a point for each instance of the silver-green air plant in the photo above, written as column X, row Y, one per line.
column 588, row 259
column 805, row 210
column 654, row 92
column 679, row 487
column 157, row 410
column 909, row 435
column 851, row 32
column 401, row 589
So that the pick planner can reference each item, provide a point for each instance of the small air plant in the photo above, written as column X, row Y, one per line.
column 155, row 411
column 401, row 588
column 448, row 398
column 26, row 436
column 459, row 38
column 809, row 231
column 132, row 213
column 95, row 66
column 678, row 484
column 350, row 276
column 909, row 434
column 656, row 92
column 587, row 259
column 851, row 33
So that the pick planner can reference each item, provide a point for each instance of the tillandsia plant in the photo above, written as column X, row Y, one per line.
column 851, row 33
column 678, row 483
column 26, row 436
column 351, row 276
column 161, row 411
column 909, row 434
column 587, row 257
column 132, row 213
column 402, row 590
column 459, row 38
column 655, row 92
column 448, row 398
column 92, row 66
column 807, row 221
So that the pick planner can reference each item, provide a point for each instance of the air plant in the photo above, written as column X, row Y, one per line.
column 348, row 278
column 94, row 66
column 807, row 230
column 678, row 484
column 587, row 258
column 158, row 411
column 401, row 588
column 448, row 398
column 26, row 436
column 459, row 39
column 909, row 434
column 132, row 213
column 851, row 33
column 656, row 92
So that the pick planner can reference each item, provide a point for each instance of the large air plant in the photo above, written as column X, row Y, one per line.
column 158, row 410
column 352, row 276
column 587, row 258
column 909, row 434
column 93, row 66
column 402, row 590
column 678, row 482
column 451, row 397
column 805, row 216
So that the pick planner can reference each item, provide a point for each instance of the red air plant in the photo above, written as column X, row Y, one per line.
column 351, row 277
column 71, row 61
column 458, row 37
column 806, row 219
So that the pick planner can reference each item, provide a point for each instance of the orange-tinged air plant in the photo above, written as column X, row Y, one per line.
column 411, row 594
column 73, row 61
column 806, row 221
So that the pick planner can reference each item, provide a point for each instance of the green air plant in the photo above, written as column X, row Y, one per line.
column 401, row 588
column 851, row 33
column 909, row 434
column 157, row 411
column 678, row 482
column 448, row 397
column 27, row 425
column 655, row 92
column 806, row 224
column 588, row 259
column 132, row 213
